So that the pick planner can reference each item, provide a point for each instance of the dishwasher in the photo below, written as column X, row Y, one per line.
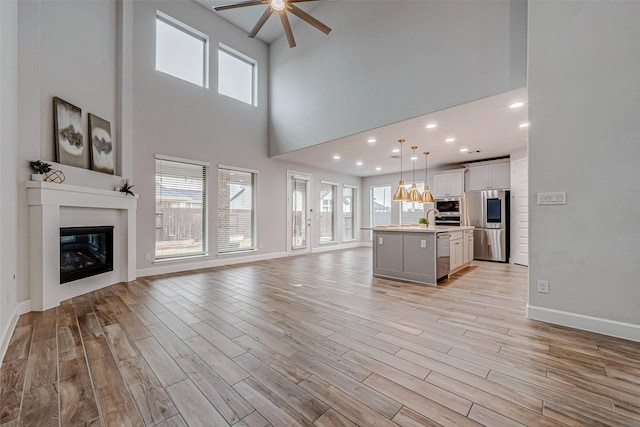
column 442, row 255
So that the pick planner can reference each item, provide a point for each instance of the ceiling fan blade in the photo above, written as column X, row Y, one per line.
column 267, row 13
column 243, row 4
column 308, row 18
column 287, row 28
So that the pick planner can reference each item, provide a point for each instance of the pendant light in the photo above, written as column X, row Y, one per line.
column 401, row 194
column 426, row 196
column 414, row 194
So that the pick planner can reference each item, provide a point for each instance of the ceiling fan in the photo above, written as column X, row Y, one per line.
column 281, row 7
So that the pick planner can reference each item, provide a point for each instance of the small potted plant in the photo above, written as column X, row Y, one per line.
column 126, row 188
column 40, row 168
column 424, row 222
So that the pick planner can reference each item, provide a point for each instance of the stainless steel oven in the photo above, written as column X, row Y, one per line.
column 450, row 211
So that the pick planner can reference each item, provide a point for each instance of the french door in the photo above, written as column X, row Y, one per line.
column 298, row 213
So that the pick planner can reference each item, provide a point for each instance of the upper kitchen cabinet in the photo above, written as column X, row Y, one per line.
column 495, row 176
column 448, row 184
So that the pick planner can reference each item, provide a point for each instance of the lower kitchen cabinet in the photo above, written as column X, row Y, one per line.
column 468, row 246
column 457, row 250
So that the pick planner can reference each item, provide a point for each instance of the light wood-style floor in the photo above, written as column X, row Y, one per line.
column 313, row 341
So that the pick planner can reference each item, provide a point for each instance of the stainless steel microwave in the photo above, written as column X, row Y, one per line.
column 449, row 206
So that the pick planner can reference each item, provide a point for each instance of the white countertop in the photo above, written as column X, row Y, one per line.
column 418, row 229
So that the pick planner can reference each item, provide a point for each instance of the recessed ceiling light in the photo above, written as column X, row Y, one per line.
column 450, row 140
column 431, row 126
column 336, row 157
column 464, row 150
column 358, row 163
column 378, row 168
column 523, row 125
column 516, row 105
column 371, row 140
column 414, row 157
column 395, row 150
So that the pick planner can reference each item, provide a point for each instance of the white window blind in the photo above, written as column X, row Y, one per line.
column 349, row 212
column 411, row 211
column 181, row 51
column 236, row 210
column 236, row 75
column 327, row 212
column 380, row 205
column 181, row 208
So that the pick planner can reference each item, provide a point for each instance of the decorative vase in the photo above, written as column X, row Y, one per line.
column 37, row 177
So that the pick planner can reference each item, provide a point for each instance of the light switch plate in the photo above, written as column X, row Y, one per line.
column 557, row 198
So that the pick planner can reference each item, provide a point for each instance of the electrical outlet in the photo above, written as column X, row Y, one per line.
column 423, row 243
column 543, row 286
column 147, row 256
column 380, row 240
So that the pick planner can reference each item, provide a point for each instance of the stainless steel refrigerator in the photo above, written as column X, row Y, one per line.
column 488, row 212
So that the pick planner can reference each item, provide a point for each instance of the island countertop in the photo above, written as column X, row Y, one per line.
column 418, row 229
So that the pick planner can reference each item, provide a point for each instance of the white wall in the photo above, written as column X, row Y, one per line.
column 8, row 149
column 583, row 109
column 176, row 118
column 390, row 61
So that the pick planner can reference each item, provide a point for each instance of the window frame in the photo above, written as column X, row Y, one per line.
column 254, row 209
column 420, row 186
column 371, row 201
column 354, row 212
column 187, row 29
column 334, row 214
column 205, row 209
column 254, row 72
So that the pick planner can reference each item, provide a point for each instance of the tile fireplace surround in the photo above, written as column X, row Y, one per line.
column 52, row 206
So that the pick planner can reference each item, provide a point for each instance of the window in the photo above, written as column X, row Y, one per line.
column 236, row 209
column 236, row 75
column 349, row 212
column 181, row 51
column 411, row 211
column 327, row 212
column 380, row 206
column 181, row 207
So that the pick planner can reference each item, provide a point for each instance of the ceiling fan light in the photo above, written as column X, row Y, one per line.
column 278, row 5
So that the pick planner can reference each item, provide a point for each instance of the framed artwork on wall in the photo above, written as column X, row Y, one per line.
column 102, row 153
column 68, row 137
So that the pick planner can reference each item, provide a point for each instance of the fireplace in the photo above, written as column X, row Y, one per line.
column 85, row 252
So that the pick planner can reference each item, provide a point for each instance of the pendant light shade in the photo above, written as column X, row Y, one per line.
column 401, row 194
column 414, row 194
column 426, row 195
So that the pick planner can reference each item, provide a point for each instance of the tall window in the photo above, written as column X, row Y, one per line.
column 236, row 209
column 381, row 205
column 181, row 207
column 327, row 211
column 349, row 212
column 236, row 75
column 181, row 51
column 411, row 211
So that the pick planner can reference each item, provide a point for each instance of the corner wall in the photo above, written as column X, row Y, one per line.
column 390, row 61
column 583, row 139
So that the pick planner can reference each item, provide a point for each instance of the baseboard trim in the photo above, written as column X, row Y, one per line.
column 612, row 328
column 337, row 247
column 20, row 309
column 171, row 267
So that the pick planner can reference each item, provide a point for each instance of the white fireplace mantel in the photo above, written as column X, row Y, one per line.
column 45, row 201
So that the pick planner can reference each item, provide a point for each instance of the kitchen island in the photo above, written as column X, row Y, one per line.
column 421, row 254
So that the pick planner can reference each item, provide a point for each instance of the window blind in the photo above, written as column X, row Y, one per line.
column 236, row 210
column 181, row 208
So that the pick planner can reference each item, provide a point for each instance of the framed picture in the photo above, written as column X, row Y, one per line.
column 102, row 155
column 67, row 123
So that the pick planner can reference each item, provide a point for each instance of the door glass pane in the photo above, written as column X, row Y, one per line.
column 299, row 213
column 348, row 212
column 327, row 212
column 380, row 206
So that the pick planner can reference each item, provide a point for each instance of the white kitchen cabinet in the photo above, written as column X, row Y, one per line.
column 447, row 184
column 456, row 248
column 494, row 176
column 468, row 246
